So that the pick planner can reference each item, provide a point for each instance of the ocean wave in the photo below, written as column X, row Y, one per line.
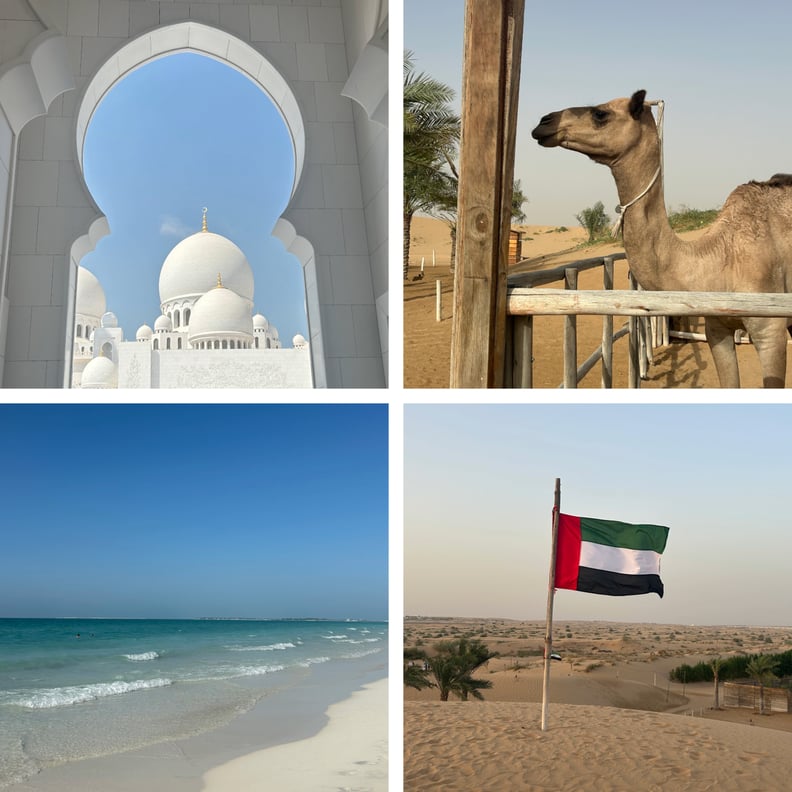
column 244, row 671
column 142, row 656
column 265, row 648
column 313, row 661
column 78, row 694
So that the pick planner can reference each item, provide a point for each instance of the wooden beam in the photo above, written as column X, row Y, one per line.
column 490, row 85
column 552, row 302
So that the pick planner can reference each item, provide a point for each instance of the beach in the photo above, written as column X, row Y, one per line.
column 427, row 342
column 351, row 752
column 234, row 688
column 615, row 721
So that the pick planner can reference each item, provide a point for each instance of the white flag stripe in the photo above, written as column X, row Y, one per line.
column 619, row 559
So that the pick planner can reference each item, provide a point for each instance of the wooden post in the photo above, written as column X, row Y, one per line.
column 490, row 85
column 607, row 328
column 438, row 300
column 633, row 375
column 523, row 352
column 570, row 334
column 548, row 644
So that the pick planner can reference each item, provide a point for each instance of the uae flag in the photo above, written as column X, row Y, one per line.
column 608, row 557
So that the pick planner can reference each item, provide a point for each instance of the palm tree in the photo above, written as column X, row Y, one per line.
column 454, row 664
column 761, row 669
column 416, row 674
column 716, row 663
column 431, row 135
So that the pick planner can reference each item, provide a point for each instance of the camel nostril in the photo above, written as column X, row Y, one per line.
column 546, row 119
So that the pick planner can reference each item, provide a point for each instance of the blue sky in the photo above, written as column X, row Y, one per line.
column 178, row 134
column 479, row 483
column 722, row 69
column 195, row 510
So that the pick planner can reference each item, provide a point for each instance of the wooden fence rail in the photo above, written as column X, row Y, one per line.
column 647, row 325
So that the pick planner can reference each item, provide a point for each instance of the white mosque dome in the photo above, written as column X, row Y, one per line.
column 221, row 313
column 91, row 299
column 163, row 324
column 101, row 372
column 299, row 342
column 192, row 267
column 109, row 319
column 144, row 333
column 260, row 322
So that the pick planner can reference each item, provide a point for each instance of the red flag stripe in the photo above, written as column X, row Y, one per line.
column 567, row 552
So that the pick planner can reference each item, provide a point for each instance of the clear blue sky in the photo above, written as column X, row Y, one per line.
column 723, row 70
column 195, row 510
column 479, row 484
column 178, row 134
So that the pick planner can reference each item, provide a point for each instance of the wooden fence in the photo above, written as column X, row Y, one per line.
column 741, row 694
column 647, row 326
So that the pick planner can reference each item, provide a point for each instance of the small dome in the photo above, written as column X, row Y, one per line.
column 163, row 324
column 144, row 333
column 273, row 331
column 109, row 319
column 90, row 294
column 222, row 313
column 101, row 372
column 260, row 322
column 191, row 268
column 299, row 342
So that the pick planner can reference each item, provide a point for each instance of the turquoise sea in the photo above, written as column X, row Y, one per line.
column 77, row 688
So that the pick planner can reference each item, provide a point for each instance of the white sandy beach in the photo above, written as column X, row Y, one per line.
column 350, row 753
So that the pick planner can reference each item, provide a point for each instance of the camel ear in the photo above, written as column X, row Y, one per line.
column 637, row 103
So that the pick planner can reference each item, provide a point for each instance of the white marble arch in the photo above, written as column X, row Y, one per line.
column 336, row 220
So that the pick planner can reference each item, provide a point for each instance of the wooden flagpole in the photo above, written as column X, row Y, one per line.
column 548, row 646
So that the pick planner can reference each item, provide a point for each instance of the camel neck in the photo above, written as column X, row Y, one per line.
column 649, row 242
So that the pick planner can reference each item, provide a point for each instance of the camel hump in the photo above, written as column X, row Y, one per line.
column 780, row 180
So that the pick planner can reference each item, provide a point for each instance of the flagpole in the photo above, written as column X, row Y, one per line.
column 548, row 645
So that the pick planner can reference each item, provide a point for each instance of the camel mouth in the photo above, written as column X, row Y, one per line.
column 546, row 137
column 546, row 133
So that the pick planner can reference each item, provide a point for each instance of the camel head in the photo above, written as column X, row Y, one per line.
column 603, row 132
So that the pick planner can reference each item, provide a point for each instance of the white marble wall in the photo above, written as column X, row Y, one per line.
column 141, row 367
column 339, row 206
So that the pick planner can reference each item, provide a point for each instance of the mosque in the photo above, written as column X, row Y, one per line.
column 205, row 337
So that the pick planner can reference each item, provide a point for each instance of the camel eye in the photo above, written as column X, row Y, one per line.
column 600, row 116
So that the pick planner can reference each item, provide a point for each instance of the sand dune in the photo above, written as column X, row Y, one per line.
column 615, row 720
column 465, row 746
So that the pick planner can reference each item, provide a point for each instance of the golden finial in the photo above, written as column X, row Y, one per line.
column 203, row 223
column 219, row 281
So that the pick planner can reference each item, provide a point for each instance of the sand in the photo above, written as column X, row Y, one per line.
column 427, row 342
column 615, row 721
column 350, row 753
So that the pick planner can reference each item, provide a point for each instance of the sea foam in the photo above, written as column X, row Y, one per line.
column 65, row 696
column 266, row 648
column 142, row 656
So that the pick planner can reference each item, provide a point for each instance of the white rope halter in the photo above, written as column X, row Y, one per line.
column 619, row 224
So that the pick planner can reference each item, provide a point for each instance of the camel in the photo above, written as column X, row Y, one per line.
column 748, row 248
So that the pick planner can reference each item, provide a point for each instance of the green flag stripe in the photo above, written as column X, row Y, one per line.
column 619, row 534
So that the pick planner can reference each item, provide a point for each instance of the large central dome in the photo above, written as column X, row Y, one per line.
column 192, row 267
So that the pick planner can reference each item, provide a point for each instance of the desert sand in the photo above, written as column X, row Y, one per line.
column 427, row 342
column 615, row 721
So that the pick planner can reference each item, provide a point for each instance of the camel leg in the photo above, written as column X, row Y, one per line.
column 721, row 344
column 769, row 337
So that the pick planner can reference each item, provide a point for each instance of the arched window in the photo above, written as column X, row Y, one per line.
column 186, row 316
column 156, row 343
column 178, row 343
column 269, row 345
column 107, row 349
column 167, row 343
column 79, row 331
